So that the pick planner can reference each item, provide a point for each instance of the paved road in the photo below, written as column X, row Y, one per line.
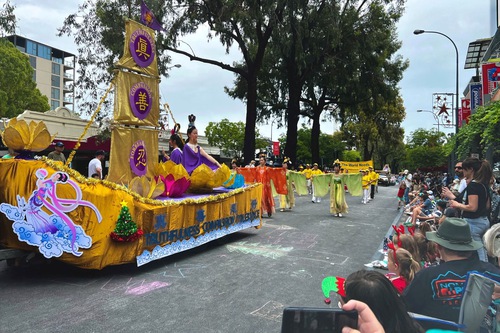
column 238, row 284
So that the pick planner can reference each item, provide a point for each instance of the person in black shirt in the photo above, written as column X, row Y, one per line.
column 474, row 201
column 437, row 291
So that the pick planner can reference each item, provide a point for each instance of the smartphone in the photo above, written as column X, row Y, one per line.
column 317, row 320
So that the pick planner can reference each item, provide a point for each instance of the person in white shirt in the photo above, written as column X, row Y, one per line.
column 95, row 165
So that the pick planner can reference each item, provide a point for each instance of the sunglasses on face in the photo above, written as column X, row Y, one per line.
column 458, row 168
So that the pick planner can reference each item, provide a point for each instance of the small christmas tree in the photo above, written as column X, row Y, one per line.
column 126, row 230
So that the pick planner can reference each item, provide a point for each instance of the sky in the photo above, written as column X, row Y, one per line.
column 197, row 88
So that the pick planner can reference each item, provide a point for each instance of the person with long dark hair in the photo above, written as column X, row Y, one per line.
column 475, row 201
column 193, row 154
column 374, row 289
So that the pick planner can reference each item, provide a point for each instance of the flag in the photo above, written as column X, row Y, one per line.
column 148, row 19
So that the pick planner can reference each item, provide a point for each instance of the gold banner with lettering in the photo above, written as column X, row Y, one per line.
column 134, row 152
column 353, row 167
column 169, row 226
column 137, row 99
column 139, row 52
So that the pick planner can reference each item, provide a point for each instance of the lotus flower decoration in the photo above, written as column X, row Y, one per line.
column 204, row 179
column 20, row 136
column 170, row 168
column 174, row 188
column 147, row 188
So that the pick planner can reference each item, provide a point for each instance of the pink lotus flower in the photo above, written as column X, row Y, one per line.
column 174, row 188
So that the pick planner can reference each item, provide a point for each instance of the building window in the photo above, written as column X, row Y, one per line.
column 56, row 81
column 33, row 61
column 56, row 69
column 55, row 94
column 31, row 48
column 34, row 75
column 44, row 52
column 54, row 104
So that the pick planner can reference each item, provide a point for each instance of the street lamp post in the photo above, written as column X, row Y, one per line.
column 435, row 117
column 419, row 32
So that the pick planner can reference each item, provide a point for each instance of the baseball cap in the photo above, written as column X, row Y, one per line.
column 100, row 152
column 59, row 144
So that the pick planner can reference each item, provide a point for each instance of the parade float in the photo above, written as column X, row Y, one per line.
column 141, row 212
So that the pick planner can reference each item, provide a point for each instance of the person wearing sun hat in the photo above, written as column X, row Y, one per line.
column 437, row 291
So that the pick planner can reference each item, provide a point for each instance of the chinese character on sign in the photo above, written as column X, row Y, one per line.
column 141, row 157
column 142, row 48
column 142, row 103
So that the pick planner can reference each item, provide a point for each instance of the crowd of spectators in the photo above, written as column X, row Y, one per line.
column 441, row 241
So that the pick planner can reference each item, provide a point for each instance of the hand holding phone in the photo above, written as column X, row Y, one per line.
column 368, row 322
column 317, row 320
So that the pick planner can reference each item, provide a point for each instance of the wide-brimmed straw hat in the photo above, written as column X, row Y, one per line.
column 454, row 234
column 492, row 241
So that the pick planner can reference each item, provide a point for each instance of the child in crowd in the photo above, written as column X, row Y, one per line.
column 402, row 268
column 408, row 243
column 427, row 250
column 401, row 194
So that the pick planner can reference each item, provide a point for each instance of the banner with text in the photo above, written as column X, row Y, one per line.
column 353, row 167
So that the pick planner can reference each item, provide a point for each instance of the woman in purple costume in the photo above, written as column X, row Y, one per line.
column 177, row 145
column 194, row 155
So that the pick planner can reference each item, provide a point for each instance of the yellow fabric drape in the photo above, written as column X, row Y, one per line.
column 128, row 83
column 163, row 222
column 133, row 31
column 124, row 141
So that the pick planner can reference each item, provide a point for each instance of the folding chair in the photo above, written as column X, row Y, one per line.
column 474, row 316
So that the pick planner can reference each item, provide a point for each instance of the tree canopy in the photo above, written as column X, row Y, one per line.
column 481, row 133
column 425, row 149
column 18, row 91
column 230, row 137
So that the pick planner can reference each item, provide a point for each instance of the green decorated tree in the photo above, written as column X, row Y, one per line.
column 126, row 229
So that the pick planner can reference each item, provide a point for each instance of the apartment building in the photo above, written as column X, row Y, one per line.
column 54, row 71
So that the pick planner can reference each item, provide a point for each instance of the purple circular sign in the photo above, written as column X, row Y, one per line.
column 142, row 47
column 140, row 99
column 138, row 158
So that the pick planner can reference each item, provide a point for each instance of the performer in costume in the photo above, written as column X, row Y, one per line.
column 338, row 205
column 373, row 182
column 307, row 172
column 287, row 201
column 365, row 181
column 177, row 145
column 193, row 154
column 314, row 172
column 262, row 176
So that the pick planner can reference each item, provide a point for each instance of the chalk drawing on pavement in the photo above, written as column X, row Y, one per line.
column 146, row 288
column 271, row 310
column 299, row 239
column 264, row 250
column 181, row 270
column 301, row 274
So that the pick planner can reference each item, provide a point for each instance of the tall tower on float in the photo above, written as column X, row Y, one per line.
column 134, row 133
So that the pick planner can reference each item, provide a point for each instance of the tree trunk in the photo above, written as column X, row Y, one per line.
column 293, row 111
column 315, row 132
column 249, row 150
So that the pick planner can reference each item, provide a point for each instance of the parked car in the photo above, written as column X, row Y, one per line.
column 384, row 180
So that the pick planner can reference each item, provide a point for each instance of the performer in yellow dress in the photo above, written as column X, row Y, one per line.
column 334, row 182
column 338, row 205
column 287, row 201
column 314, row 172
